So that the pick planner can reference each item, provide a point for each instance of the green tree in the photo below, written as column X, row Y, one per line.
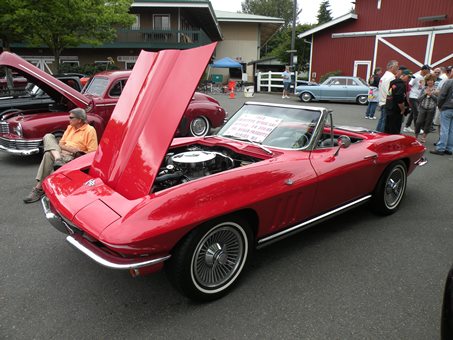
column 324, row 13
column 283, row 43
column 9, row 28
column 271, row 8
column 60, row 24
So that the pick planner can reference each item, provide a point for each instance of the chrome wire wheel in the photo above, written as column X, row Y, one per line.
column 219, row 257
column 394, row 187
column 199, row 126
column 390, row 189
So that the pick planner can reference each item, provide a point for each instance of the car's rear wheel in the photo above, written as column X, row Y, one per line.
column 209, row 261
column 363, row 100
column 390, row 189
column 306, row 97
column 199, row 126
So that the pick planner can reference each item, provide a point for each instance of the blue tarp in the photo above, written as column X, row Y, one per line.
column 226, row 63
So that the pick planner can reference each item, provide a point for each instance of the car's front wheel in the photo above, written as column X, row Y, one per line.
column 209, row 261
column 390, row 189
column 199, row 126
column 306, row 97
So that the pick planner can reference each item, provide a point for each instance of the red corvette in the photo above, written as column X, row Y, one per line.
column 199, row 206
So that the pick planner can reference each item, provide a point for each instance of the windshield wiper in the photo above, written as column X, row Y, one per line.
column 250, row 141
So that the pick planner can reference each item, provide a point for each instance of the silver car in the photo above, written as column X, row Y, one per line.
column 338, row 88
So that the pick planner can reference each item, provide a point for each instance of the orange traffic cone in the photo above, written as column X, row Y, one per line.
column 232, row 94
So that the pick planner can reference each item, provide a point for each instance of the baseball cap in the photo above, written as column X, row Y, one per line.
column 402, row 68
column 449, row 68
column 425, row 67
column 406, row 72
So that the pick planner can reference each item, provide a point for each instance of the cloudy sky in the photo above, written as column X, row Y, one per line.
column 309, row 8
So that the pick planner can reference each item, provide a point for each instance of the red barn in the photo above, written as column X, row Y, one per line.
column 413, row 32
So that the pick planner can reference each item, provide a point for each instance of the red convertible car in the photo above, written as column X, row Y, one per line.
column 199, row 206
column 21, row 131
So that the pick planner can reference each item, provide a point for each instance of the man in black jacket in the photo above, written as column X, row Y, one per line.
column 396, row 104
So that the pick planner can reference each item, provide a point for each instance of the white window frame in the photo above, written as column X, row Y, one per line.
column 136, row 25
column 162, row 15
column 366, row 63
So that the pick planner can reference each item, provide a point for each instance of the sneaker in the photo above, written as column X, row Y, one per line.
column 58, row 163
column 34, row 196
column 287, row 97
column 283, row 97
column 366, row 117
column 421, row 131
column 448, row 152
column 372, row 117
column 437, row 152
column 408, row 129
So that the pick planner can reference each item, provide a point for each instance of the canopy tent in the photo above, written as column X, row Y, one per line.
column 224, row 63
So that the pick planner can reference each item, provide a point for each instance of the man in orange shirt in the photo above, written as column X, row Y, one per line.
column 79, row 137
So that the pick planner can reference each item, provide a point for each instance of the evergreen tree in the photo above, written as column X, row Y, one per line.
column 324, row 13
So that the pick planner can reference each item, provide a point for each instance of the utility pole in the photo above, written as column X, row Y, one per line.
column 293, row 35
column 293, row 42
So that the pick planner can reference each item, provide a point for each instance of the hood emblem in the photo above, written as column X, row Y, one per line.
column 90, row 183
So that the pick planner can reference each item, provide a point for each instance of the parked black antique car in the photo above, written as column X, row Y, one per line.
column 34, row 97
column 447, row 309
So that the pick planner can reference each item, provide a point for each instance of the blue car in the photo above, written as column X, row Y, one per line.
column 338, row 88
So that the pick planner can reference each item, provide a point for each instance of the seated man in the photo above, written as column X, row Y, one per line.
column 78, row 137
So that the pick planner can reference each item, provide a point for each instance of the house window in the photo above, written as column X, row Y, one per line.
column 161, row 21
column 136, row 24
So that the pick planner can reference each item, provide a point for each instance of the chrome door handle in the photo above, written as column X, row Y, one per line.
column 375, row 156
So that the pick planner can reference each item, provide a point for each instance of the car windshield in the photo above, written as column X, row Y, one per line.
column 96, row 86
column 274, row 126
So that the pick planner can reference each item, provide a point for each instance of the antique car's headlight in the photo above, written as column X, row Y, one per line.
column 18, row 130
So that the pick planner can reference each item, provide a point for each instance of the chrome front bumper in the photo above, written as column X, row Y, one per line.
column 19, row 146
column 91, row 250
column 422, row 161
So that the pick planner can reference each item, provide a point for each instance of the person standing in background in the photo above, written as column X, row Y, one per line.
column 445, row 104
column 416, row 86
column 373, row 94
column 396, row 103
column 427, row 107
column 286, row 82
column 384, row 83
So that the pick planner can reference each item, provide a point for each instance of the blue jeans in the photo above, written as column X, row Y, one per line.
column 371, row 109
column 381, row 122
column 446, row 131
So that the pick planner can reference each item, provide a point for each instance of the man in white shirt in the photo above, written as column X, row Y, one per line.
column 389, row 75
column 416, row 86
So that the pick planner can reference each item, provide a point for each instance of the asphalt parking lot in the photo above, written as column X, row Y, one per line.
column 358, row 276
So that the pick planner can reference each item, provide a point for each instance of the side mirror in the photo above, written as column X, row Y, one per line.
column 344, row 142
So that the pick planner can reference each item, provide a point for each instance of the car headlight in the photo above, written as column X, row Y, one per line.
column 18, row 130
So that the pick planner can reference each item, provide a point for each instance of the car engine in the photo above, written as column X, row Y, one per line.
column 186, row 164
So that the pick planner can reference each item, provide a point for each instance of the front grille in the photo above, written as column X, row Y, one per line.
column 20, row 144
column 4, row 127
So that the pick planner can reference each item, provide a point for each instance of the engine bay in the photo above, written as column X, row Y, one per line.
column 191, row 162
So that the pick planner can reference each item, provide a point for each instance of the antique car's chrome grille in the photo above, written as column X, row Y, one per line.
column 4, row 127
column 20, row 144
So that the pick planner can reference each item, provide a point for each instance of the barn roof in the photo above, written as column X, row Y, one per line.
column 328, row 24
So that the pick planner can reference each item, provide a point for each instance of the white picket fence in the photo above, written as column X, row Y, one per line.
column 266, row 81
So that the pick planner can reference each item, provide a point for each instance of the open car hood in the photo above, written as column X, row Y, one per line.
column 146, row 117
column 52, row 86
